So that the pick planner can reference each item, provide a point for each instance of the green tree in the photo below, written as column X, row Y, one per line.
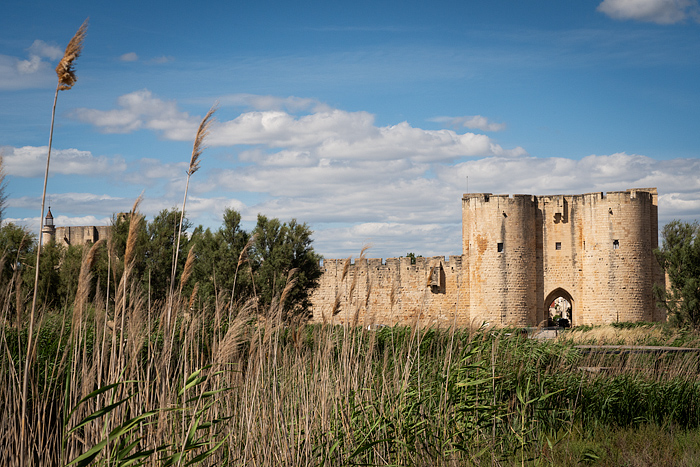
column 159, row 252
column 48, row 287
column 120, row 235
column 153, row 250
column 279, row 248
column 16, row 245
column 16, row 257
column 69, row 273
column 220, row 268
column 679, row 255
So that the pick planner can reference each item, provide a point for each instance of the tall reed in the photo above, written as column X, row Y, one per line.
column 198, row 147
column 114, row 383
column 65, row 70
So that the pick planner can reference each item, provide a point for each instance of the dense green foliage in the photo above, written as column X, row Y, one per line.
column 679, row 255
column 226, row 261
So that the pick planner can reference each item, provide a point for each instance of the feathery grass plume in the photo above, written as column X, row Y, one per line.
column 291, row 282
column 84, row 279
column 336, row 305
column 368, row 294
column 355, row 276
column 65, row 70
column 346, row 268
column 364, row 250
column 134, row 222
column 193, row 296
column 242, row 258
column 234, row 338
column 189, row 266
column 66, row 78
column 197, row 149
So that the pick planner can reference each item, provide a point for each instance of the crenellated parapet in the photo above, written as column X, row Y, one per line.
column 522, row 254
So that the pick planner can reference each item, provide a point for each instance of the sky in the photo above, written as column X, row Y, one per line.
column 366, row 120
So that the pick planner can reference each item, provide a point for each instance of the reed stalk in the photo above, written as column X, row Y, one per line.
column 197, row 149
column 66, row 79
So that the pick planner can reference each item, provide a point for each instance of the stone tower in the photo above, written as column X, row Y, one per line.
column 594, row 250
column 499, row 239
column 48, row 231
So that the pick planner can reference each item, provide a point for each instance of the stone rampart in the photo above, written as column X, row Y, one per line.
column 80, row 235
column 520, row 253
column 432, row 291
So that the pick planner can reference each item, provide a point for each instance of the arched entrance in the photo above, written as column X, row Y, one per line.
column 559, row 307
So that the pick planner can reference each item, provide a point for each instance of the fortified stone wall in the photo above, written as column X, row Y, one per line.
column 432, row 291
column 520, row 252
column 80, row 235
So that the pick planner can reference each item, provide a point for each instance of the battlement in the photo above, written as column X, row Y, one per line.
column 521, row 253
column 489, row 197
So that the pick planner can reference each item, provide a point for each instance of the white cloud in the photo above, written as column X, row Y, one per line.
column 140, row 110
column 474, row 122
column 396, row 186
column 324, row 134
column 129, row 57
column 30, row 161
column 654, row 11
column 149, row 172
column 337, row 134
column 32, row 72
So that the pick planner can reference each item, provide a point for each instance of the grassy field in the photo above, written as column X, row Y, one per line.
column 229, row 386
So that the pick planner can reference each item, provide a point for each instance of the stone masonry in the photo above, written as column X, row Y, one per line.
column 73, row 235
column 519, row 253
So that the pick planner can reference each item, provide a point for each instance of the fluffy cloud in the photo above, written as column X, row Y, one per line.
column 474, row 122
column 398, row 187
column 337, row 134
column 34, row 71
column 140, row 110
column 396, row 205
column 654, row 11
column 324, row 134
column 30, row 161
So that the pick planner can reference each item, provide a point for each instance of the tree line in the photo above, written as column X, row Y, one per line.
column 228, row 264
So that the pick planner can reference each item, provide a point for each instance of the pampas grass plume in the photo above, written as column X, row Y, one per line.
column 65, row 70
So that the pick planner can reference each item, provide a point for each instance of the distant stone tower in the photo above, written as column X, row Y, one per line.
column 48, row 231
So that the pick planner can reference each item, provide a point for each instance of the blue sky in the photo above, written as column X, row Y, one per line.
column 363, row 119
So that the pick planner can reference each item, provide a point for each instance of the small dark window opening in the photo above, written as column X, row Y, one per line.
column 557, row 245
column 500, row 247
column 616, row 244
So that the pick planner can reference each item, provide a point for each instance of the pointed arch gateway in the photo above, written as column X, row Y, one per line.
column 559, row 305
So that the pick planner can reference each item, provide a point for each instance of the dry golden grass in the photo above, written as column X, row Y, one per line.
column 202, row 133
column 65, row 70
